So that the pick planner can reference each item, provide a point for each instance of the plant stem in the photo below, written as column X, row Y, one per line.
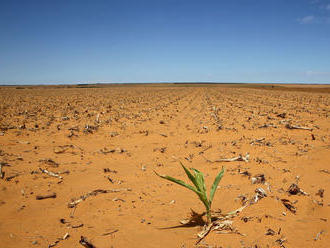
column 208, row 215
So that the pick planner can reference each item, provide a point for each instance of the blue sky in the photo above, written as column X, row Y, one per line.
column 280, row 41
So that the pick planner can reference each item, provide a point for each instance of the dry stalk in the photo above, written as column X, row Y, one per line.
column 50, row 173
column 289, row 126
column 75, row 202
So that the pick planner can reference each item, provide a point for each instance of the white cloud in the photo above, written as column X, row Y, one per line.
column 306, row 19
column 317, row 73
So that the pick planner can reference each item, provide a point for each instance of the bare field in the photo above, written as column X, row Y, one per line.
column 102, row 144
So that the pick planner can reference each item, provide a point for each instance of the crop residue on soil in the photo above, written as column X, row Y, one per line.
column 77, row 165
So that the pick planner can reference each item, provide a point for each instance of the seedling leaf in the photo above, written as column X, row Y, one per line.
column 200, row 180
column 190, row 176
column 180, row 182
column 215, row 185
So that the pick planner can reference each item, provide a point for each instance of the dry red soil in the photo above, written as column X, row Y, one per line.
column 112, row 138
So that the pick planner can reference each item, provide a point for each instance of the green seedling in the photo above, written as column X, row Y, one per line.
column 199, row 186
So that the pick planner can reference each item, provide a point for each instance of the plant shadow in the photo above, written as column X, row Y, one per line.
column 195, row 219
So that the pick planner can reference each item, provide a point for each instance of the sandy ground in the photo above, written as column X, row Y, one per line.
column 113, row 138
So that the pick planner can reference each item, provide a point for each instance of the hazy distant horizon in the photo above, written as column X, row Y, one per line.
column 93, row 83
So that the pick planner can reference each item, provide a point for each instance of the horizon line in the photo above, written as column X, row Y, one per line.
column 160, row 82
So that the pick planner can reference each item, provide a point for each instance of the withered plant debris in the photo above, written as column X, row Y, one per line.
column 72, row 134
column 198, row 143
column 84, row 242
column 49, row 161
column 238, row 158
column 320, row 203
column 244, row 173
column 12, row 177
column 50, row 173
column 161, row 149
column 257, row 141
column 214, row 114
column 282, row 115
column 106, row 150
column 66, row 236
column 258, row 179
column 61, row 149
column 289, row 205
column 243, row 199
column 225, row 227
column 118, row 199
column 268, row 125
column 113, row 134
column 75, row 202
column 4, row 164
column 2, row 174
column 77, row 226
column 205, row 149
column 281, row 241
column 41, row 197
column 97, row 119
column 90, row 129
column 270, row 232
column 318, row 235
column 69, row 224
column 260, row 193
column 75, row 128
column 53, row 244
column 221, row 223
column 107, row 170
column 109, row 233
column 289, row 126
column 295, row 190
column 325, row 171
column 246, row 219
column 33, row 172
column 110, row 179
column 320, row 193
